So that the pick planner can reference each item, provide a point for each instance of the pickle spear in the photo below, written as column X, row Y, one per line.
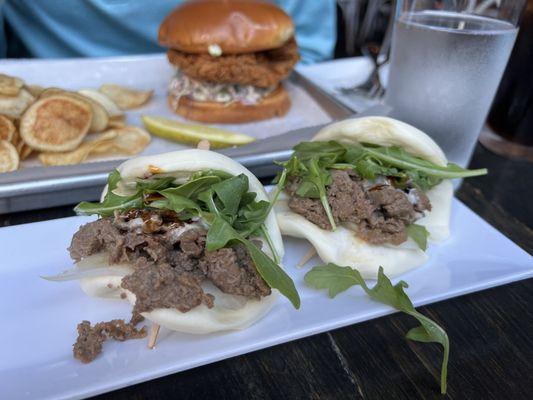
column 192, row 134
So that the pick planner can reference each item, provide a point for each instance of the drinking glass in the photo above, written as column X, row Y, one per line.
column 509, row 129
column 447, row 59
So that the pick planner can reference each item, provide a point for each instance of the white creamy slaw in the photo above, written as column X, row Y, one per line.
column 181, row 85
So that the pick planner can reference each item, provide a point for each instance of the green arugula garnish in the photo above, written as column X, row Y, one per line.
column 370, row 161
column 111, row 201
column 311, row 163
column 223, row 201
column 419, row 234
column 319, row 178
column 338, row 279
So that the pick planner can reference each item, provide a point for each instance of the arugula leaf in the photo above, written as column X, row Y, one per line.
column 221, row 234
column 321, row 178
column 179, row 203
column 271, row 246
column 397, row 157
column 230, row 192
column 327, row 152
column 338, row 279
column 207, row 197
column 193, row 187
column 281, row 180
column 251, row 217
column 293, row 167
column 155, row 184
column 419, row 234
column 372, row 160
column 211, row 172
column 308, row 189
column 111, row 201
column 248, row 198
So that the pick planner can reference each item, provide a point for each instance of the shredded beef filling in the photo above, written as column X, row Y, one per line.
column 232, row 271
column 169, row 258
column 91, row 338
column 170, row 264
column 161, row 286
column 380, row 211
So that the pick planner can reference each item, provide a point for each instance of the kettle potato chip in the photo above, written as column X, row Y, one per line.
column 14, row 106
column 7, row 128
column 100, row 118
column 56, row 123
column 125, row 97
column 9, row 158
column 35, row 90
column 129, row 140
column 112, row 109
column 10, row 85
column 24, row 151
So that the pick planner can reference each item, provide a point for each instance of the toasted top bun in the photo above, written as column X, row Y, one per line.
column 342, row 246
column 229, row 311
column 236, row 26
column 384, row 131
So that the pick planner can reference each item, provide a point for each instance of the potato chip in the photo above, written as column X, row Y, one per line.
column 100, row 118
column 123, row 141
column 51, row 91
column 9, row 158
column 75, row 156
column 124, row 97
column 10, row 85
column 35, row 90
column 7, row 128
column 24, row 151
column 112, row 109
column 14, row 106
column 19, row 145
column 130, row 140
column 22, row 147
column 15, row 139
column 117, row 122
column 56, row 123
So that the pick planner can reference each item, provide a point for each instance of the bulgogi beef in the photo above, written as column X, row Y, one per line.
column 91, row 339
column 161, row 286
column 170, row 263
column 169, row 258
column 232, row 271
column 380, row 211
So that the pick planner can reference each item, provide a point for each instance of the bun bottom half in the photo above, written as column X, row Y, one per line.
column 344, row 248
column 276, row 104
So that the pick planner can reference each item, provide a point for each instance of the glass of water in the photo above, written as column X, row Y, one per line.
column 447, row 59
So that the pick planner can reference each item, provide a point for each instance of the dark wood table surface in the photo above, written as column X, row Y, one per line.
column 491, row 332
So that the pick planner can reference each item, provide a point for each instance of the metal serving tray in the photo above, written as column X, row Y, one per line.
column 39, row 187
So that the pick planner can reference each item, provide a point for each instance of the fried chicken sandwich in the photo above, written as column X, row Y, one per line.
column 230, row 58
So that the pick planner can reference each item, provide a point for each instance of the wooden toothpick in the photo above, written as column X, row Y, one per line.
column 306, row 257
column 153, row 335
column 203, row 145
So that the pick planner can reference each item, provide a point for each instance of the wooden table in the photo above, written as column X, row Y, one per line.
column 491, row 332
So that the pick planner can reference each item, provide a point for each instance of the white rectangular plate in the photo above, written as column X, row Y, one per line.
column 40, row 317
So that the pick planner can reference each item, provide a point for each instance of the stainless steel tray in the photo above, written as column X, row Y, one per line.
column 42, row 187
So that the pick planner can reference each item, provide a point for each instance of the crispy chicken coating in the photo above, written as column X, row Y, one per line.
column 261, row 69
